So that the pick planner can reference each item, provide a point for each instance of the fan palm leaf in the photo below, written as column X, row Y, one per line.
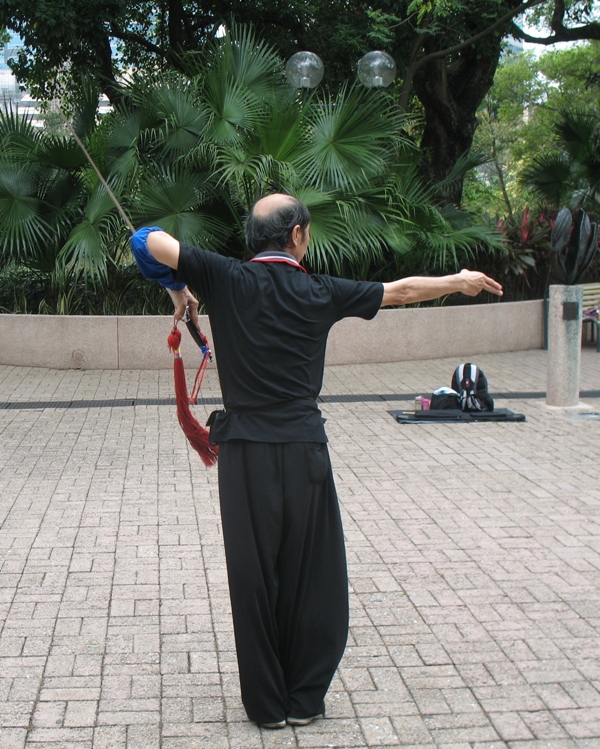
column 344, row 231
column 571, row 173
column 282, row 133
column 239, row 56
column 349, row 140
column 182, row 119
column 22, row 222
column 577, row 134
column 63, row 195
column 234, row 110
column 469, row 160
column 549, row 175
column 59, row 152
column 250, row 176
column 85, row 115
column 86, row 250
column 177, row 201
column 449, row 247
column 18, row 136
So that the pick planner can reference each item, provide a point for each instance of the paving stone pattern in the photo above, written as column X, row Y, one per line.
column 473, row 550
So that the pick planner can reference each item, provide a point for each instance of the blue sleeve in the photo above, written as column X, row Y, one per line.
column 148, row 265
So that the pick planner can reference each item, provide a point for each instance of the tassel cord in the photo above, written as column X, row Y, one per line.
column 196, row 434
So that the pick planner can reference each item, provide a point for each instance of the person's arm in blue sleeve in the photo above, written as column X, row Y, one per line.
column 149, row 266
column 165, row 248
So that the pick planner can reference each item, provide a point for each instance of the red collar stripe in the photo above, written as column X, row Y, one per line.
column 278, row 259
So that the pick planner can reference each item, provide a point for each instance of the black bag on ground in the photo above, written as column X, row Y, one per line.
column 445, row 399
column 472, row 387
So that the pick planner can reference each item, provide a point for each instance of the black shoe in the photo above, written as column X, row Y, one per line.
column 302, row 721
column 274, row 726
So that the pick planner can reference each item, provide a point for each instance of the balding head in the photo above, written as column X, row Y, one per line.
column 271, row 203
column 272, row 220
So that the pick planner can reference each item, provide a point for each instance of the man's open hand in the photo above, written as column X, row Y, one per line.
column 475, row 282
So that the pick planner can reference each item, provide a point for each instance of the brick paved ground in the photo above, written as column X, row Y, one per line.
column 474, row 557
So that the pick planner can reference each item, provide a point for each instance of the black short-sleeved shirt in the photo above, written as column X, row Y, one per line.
column 270, row 322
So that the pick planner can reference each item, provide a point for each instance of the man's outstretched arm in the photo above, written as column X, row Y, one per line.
column 424, row 288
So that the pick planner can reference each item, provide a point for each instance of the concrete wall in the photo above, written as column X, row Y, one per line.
column 89, row 342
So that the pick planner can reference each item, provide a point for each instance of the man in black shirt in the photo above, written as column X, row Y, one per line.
column 281, row 523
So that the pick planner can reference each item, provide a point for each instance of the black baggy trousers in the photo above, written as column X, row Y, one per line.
column 286, row 565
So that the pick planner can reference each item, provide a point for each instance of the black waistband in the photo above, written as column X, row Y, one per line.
column 276, row 405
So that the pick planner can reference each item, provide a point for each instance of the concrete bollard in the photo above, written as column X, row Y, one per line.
column 564, row 346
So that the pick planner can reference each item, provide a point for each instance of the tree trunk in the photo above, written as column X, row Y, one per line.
column 451, row 95
column 106, row 75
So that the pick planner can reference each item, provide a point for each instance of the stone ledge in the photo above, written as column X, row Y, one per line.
column 96, row 342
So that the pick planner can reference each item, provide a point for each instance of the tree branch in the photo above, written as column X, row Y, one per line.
column 481, row 35
column 107, row 77
column 558, row 15
column 130, row 36
column 411, row 69
column 561, row 33
column 580, row 33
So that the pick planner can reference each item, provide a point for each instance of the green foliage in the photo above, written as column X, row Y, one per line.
column 524, row 267
column 192, row 153
column 528, row 241
column 575, row 12
column 541, row 153
column 571, row 172
column 573, row 244
column 517, row 127
column 446, row 51
column 24, row 291
column 571, row 75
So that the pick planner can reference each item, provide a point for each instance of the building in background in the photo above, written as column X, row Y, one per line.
column 17, row 98
column 10, row 91
column 13, row 96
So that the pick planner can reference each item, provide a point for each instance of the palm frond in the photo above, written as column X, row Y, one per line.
column 125, row 167
column 471, row 159
column 240, row 56
column 447, row 248
column 201, row 228
column 342, row 232
column 18, row 136
column 252, row 175
column 177, row 201
column 88, row 247
column 282, row 133
column 125, row 131
column 183, row 118
column 22, row 222
column 578, row 134
column 84, row 250
column 350, row 140
column 63, row 196
column 549, row 175
column 234, row 110
column 58, row 151
column 85, row 114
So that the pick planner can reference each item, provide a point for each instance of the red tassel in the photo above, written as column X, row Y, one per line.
column 174, row 340
column 197, row 435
